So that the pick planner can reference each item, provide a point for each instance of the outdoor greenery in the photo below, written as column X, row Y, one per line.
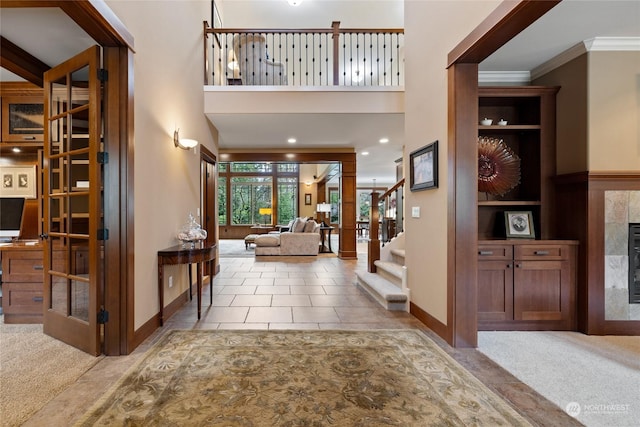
column 252, row 188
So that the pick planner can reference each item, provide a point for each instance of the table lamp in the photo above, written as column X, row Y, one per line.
column 323, row 208
column 265, row 211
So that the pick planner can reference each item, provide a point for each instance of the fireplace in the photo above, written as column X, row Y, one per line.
column 634, row 263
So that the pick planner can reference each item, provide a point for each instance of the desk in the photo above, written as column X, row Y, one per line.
column 180, row 254
column 325, row 235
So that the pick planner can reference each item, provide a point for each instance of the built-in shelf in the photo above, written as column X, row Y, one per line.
column 509, row 203
column 509, row 127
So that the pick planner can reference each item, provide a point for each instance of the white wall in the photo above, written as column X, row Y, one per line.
column 168, row 76
column 432, row 30
column 312, row 14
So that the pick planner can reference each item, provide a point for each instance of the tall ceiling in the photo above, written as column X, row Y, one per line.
column 568, row 24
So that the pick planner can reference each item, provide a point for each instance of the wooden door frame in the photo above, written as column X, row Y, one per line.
column 504, row 23
column 207, row 208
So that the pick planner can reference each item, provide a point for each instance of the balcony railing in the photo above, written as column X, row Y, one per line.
column 312, row 57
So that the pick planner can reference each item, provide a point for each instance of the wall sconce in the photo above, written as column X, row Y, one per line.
column 323, row 208
column 183, row 143
column 265, row 212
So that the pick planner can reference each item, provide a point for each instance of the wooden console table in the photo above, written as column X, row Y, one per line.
column 185, row 254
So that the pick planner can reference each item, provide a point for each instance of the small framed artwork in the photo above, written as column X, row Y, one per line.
column 18, row 181
column 423, row 167
column 519, row 224
column 307, row 198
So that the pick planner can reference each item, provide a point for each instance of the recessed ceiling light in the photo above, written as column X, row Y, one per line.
column 384, row 140
column 365, row 153
column 291, row 140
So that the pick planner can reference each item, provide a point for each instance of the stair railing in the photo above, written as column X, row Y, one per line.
column 392, row 221
column 310, row 57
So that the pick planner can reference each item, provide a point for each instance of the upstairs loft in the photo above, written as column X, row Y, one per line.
column 313, row 80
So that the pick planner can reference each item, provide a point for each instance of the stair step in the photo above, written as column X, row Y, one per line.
column 398, row 252
column 386, row 293
column 392, row 268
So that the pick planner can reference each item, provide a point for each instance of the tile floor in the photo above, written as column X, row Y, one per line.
column 292, row 293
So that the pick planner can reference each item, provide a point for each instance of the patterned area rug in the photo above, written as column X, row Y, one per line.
column 299, row 378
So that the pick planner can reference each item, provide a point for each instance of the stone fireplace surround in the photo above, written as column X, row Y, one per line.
column 621, row 209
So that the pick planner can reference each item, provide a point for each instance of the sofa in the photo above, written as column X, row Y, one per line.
column 302, row 239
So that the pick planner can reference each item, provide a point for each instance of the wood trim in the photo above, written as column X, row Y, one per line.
column 581, row 215
column 431, row 322
column 504, row 23
column 21, row 62
column 462, row 260
column 145, row 331
column 99, row 21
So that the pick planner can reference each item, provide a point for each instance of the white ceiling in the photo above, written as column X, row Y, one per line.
column 566, row 25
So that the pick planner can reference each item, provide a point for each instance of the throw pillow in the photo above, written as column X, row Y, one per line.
column 298, row 225
column 309, row 226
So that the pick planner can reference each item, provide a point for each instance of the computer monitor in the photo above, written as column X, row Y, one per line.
column 11, row 213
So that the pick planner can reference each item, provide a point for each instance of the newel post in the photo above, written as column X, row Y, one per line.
column 374, row 242
column 335, row 26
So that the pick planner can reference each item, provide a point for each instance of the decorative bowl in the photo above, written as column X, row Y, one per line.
column 486, row 122
column 191, row 232
column 502, row 122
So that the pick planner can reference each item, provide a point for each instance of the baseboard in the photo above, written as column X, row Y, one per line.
column 432, row 323
column 153, row 323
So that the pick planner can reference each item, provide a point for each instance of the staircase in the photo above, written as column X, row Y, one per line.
column 388, row 284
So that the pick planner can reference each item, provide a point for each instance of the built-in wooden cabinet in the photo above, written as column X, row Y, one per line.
column 527, row 285
column 22, row 119
column 530, row 133
column 523, row 284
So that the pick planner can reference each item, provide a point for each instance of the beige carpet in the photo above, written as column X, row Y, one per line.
column 299, row 378
column 595, row 379
column 34, row 368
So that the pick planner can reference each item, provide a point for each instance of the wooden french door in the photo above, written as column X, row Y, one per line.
column 72, row 202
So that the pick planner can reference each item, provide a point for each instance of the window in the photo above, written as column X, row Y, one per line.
column 248, row 195
column 287, row 199
column 246, row 187
column 334, row 199
column 222, row 200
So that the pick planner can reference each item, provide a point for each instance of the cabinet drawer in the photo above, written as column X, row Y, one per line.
column 541, row 252
column 495, row 252
column 22, row 266
column 22, row 298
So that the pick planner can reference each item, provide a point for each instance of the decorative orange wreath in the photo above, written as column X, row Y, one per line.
column 498, row 166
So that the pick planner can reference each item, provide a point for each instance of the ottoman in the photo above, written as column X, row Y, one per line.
column 250, row 238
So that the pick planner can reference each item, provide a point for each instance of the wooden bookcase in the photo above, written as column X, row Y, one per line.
column 530, row 132
column 524, row 284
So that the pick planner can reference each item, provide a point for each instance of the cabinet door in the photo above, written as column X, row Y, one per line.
column 495, row 290
column 22, row 119
column 541, row 290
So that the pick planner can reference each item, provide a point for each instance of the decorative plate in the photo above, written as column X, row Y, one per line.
column 498, row 166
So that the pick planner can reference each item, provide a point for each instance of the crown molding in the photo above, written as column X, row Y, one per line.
column 511, row 77
column 601, row 44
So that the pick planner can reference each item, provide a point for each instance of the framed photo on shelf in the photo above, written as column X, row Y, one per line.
column 519, row 224
column 18, row 181
column 307, row 198
column 424, row 167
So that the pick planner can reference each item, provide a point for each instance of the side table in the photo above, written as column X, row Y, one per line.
column 185, row 254
column 325, row 236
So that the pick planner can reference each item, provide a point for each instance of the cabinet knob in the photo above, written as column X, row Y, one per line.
column 38, row 267
column 485, row 252
column 541, row 252
column 37, row 299
column 508, row 265
column 518, row 265
column 29, row 138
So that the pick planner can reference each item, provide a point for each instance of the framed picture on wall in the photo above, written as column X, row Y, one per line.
column 307, row 198
column 18, row 181
column 423, row 167
column 519, row 224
